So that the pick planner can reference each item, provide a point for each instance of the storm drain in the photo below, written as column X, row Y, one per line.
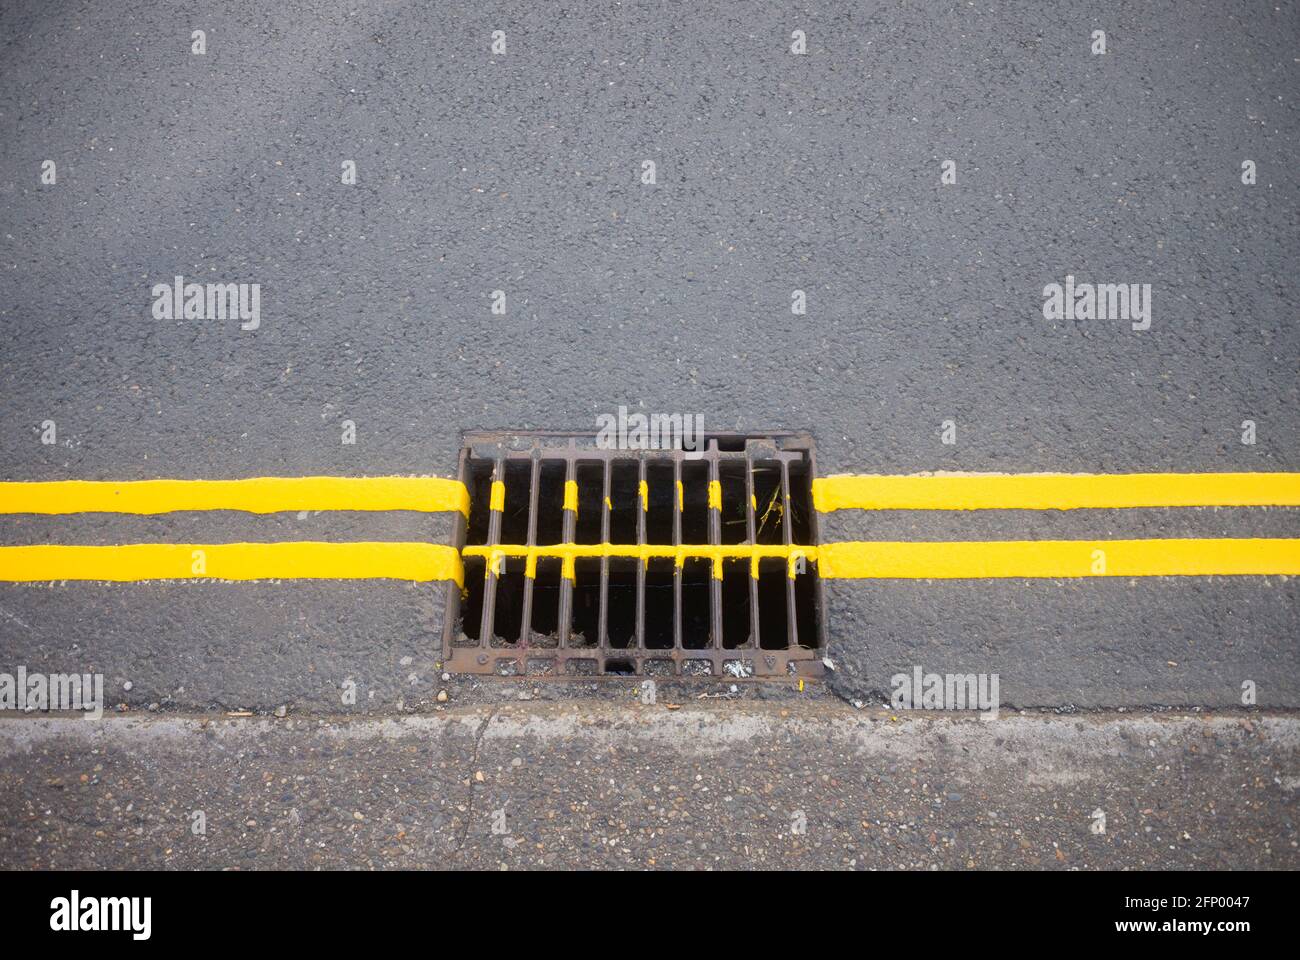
column 581, row 560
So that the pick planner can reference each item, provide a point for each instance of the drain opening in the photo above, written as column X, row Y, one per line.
column 584, row 561
column 736, row 626
column 620, row 610
column 624, row 501
column 550, row 498
column 471, row 618
column 586, row 604
column 477, row 480
column 769, row 507
column 734, row 487
column 697, row 621
column 695, row 502
column 546, row 603
column 591, row 494
column 508, row 619
column 772, row 621
column 659, row 604
column 519, row 487
column 660, row 519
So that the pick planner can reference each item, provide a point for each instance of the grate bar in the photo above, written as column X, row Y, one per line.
column 603, row 629
column 641, row 507
column 714, row 500
column 567, row 572
column 679, row 570
column 495, row 565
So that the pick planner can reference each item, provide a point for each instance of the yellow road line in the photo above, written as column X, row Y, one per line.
column 569, row 552
column 420, row 562
column 255, row 495
column 424, row 562
column 1059, row 558
column 1054, row 491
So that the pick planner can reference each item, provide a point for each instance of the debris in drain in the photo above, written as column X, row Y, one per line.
column 586, row 561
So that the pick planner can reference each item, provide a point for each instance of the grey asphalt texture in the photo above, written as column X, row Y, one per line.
column 704, row 787
column 775, row 172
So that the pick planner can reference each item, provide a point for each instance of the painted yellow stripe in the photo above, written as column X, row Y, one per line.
column 571, row 495
column 964, row 560
column 715, row 495
column 643, row 490
column 1060, row 558
column 421, row 562
column 497, row 498
column 255, row 495
column 1054, row 491
column 571, row 551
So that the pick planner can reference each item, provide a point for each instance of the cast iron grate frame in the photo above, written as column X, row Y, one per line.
column 569, row 561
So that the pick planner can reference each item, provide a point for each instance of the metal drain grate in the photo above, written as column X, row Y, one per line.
column 586, row 561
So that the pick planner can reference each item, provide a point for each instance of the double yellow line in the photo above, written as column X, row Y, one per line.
column 418, row 562
column 1058, row 558
column 423, row 562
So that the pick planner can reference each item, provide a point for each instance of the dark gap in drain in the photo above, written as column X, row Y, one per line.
column 591, row 506
column 550, row 503
column 479, row 482
column 769, row 512
column 731, row 476
column 696, row 575
column 546, row 602
column 662, row 500
column 514, row 519
column 624, row 500
column 471, row 607
column 805, row 607
column 771, row 605
column 623, row 668
column 586, row 603
column 509, row 613
column 800, row 504
column 659, row 605
column 620, row 622
column 695, row 498
column 731, row 444
column 735, row 603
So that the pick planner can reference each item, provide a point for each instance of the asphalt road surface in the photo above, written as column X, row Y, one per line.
column 522, row 172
